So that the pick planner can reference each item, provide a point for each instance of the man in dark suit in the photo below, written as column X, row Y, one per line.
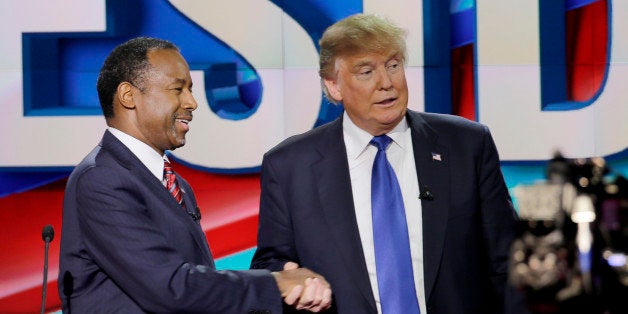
column 318, row 203
column 132, row 240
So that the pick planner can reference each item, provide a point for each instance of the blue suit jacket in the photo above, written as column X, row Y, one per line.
column 128, row 247
column 307, row 215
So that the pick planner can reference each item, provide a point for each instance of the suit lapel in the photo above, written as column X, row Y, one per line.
column 433, row 174
column 336, row 197
column 129, row 161
column 193, row 225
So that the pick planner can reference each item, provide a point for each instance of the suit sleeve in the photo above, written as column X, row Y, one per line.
column 140, row 258
column 498, row 216
column 275, row 235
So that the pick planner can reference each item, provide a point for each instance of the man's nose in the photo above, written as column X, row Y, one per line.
column 189, row 102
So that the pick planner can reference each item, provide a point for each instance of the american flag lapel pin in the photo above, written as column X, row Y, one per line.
column 436, row 157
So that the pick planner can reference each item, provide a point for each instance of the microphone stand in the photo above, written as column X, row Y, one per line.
column 43, row 295
column 47, row 235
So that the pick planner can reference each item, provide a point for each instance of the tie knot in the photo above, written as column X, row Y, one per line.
column 381, row 141
column 167, row 167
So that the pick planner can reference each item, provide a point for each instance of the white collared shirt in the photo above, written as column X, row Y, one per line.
column 146, row 154
column 361, row 156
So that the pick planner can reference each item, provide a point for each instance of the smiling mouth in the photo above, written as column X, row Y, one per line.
column 183, row 118
column 185, row 122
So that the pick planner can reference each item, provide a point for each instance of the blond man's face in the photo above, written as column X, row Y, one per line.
column 372, row 88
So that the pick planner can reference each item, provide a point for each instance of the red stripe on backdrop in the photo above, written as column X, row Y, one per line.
column 463, row 82
column 587, row 36
column 229, row 207
column 23, row 217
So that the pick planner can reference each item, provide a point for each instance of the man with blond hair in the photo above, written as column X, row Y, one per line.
column 402, row 211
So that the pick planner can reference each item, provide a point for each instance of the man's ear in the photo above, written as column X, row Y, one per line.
column 124, row 94
column 333, row 89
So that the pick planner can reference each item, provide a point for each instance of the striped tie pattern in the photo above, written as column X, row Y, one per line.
column 171, row 183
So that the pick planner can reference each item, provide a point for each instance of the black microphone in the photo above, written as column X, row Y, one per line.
column 425, row 194
column 196, row 214
column 47, row 235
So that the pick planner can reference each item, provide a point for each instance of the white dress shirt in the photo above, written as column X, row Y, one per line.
column 146, row 154
column 361, row 156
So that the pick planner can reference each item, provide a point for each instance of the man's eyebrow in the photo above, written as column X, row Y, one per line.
column 394, row 56
column 180, row 81
column 360, row 64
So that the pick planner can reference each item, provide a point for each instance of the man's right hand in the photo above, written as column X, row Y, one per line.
column 303, row 288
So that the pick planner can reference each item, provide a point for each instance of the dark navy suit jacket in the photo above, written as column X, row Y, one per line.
column 307, row 215
column 128, row 247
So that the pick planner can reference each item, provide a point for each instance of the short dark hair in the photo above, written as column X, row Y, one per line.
column 128, row 62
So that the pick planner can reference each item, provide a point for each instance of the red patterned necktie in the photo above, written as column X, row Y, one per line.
column 171, row 183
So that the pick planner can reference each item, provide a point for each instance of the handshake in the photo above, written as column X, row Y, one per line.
column 303, row 288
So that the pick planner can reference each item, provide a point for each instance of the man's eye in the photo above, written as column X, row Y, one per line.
column 393, row 66
column 364, row 74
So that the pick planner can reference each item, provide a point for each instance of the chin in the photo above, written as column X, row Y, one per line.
column 393, row 117
column 180, row 144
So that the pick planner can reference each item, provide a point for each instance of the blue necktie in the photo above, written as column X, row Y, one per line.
column 390, row 234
